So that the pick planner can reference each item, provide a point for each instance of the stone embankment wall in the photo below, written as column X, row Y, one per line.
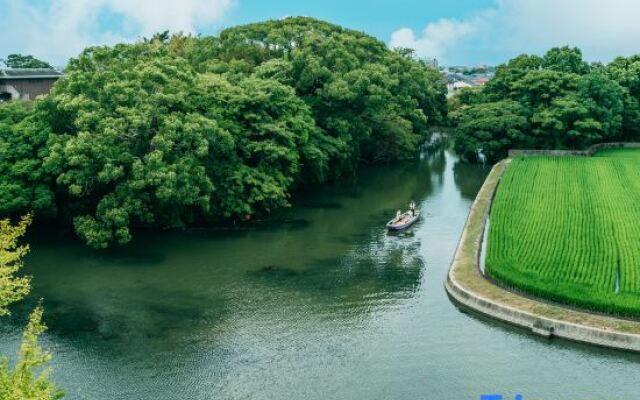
column 469, row 289
column 575, row 153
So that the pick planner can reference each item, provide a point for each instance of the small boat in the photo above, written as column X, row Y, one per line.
column 404, row 220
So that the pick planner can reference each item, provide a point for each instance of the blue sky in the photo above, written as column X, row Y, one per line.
column 377, row 17
column 454, row 31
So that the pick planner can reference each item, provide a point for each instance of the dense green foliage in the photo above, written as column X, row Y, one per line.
column 178, row 130
column 557, row 101
column 26, row 62
column 29, row 377
column 24, row 186
column 566, row 229
column 12, row 287
column 369, row 102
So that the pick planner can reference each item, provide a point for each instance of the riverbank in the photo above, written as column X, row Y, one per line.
column 469, row 289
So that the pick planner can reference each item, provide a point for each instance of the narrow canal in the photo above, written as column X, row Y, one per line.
column 319, row 303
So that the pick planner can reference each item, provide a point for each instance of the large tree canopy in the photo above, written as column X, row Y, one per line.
column 556, row 101
column 150, row 141
column 370, row 103
column 176, row 130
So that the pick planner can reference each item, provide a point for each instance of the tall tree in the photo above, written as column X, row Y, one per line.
column 26, row 62
column 565, row 59
column 491, row 129
column 626, row 71
column 24, row 185
column 29, row 378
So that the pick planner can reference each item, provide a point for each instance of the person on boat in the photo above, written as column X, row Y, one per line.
column 398, row 215
column 412, row 207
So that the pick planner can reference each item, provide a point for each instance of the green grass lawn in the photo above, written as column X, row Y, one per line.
column 619, row 153
column 568, row 229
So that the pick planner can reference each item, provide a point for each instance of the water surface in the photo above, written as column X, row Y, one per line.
column 318, row 303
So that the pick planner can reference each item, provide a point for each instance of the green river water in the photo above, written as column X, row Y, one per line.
column 318, row 303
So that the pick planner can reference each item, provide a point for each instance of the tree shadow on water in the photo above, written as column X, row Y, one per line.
column 386, row 269
column 150, row 317
column 469, row 178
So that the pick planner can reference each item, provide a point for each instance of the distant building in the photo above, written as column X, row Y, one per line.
column 26, row 84
column 453, row 86
column 480, row 81
column 456, row 81
column 432, row 62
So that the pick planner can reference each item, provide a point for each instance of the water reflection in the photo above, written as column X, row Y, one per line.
column 384, row 266
column 469, row 178
column 229, row 312
column 300, row 306
column 436, row 157
column 329, row 247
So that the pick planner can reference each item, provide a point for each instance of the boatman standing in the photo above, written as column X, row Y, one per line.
column 412, row 207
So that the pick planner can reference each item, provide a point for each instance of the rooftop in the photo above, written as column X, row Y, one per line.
column 29, row 74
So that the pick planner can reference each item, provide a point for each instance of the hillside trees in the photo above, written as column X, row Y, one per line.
column 178, row 130
column 163, row 145
column 566, row 104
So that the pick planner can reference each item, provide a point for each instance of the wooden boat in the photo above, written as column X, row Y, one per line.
column 403, row 221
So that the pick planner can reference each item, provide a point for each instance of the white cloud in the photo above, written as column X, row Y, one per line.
column 601, row 29
column 437, row 37
column 59, row 29
column 175, row 15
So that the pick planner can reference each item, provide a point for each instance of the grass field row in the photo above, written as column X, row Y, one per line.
column 568, row 229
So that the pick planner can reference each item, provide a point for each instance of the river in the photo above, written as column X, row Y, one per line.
column 317, row 303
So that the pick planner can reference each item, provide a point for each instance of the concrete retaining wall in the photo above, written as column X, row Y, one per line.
column 539, row 325
column 573, row 153
column 468, row 288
